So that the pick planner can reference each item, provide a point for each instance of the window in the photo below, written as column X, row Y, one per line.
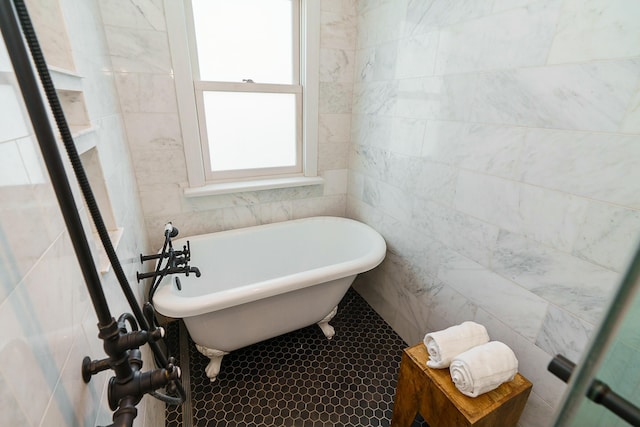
column 246, row 77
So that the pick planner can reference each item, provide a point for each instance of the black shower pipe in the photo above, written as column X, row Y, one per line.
column 83, row 182
column 76, row 163
column 117, row 343
column 46, row 139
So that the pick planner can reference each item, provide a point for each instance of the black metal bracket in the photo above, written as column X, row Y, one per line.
column 598, row 391
column 175, row 262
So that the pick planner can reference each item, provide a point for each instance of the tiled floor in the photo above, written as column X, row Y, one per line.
column 300, row 378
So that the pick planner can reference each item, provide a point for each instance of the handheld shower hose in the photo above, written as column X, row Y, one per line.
column 39, row 117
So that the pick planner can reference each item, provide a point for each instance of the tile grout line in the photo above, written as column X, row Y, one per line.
column 187, row 410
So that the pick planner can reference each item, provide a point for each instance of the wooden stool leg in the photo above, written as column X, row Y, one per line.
column 405, row 406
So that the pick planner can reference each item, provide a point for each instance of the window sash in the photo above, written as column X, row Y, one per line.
column 296, row 36
column 201, row 86
column 178, row 28
column 210, row 175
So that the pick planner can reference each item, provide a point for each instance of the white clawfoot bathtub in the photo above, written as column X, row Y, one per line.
column 263, row 281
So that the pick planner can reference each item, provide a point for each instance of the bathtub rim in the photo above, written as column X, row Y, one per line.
column 167, row 304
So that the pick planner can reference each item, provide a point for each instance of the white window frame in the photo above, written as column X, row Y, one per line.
column 187, row 90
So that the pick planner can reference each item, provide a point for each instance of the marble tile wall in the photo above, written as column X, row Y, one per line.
column 48, row 321
column 137, row 39
column 495, row 146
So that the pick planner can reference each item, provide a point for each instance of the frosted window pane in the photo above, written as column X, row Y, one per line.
column 244, row 39
column 250, row 130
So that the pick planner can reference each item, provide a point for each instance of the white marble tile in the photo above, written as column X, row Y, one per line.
column 546, row 216
column 502, row 5
column 48, row 20
column 12, row 170
column 631, row 122
column 346, row 7
column 12, row 413
column 365, row 60
column 441, row 139
column 376, row 98
column 166, row 198
column 333, row 155
column 389, row 199
column 376, row 63
column 494, row 150
column 319, row 206
column 564, row 334
column 24, row 232
column 598, row 166
column 14, row 123
column 417, row 55
column 334, row 128
column 449, row 307
column 337, row 65
column 434, row 181
column 408, row 242
column 240, row 217
column 191, row 224
column 419, row 302
column 532, row 360
column 32, row 160
column 513, row 305
column 425, row 15
column 537, row 412
column 532, row 363
column 150, row 132
column 379, row 21
column 608, row 236
column 488, row 198
column 137, row 14
column 550, row 217
column 145, row 163
column 275, row 212
column 467, row 235
column 400, row 170
column 369, row 291
column 440, row 97
column 335, row 181
column 355, row 184
column 335, row 98
column 368, row 6
column 556, row 97
column 581, row 288
column 406, row 136
column 146, row 93
column 516, row 38
column 337, row 31
column 72, row 391
column 143, row 51
column 371, row 130
column 596, row 29
column 31, row 349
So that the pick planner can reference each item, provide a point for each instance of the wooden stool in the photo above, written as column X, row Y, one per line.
column 432, row 393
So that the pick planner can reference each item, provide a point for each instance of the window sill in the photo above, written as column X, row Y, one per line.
column 255, row 185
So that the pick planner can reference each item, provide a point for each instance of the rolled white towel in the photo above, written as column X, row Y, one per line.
column 483, row 368
column 444, row 345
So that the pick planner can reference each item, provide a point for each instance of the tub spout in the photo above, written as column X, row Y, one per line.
column 194, row 270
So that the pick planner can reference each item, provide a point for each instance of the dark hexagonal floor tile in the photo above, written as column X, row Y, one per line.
column 301, row 379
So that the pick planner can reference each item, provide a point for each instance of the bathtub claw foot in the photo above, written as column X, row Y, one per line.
column 327, row 329
column 215, row 356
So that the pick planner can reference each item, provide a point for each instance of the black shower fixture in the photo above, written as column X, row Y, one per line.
column 121, row 345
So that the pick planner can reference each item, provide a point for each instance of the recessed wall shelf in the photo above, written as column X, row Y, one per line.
column 65, row 79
